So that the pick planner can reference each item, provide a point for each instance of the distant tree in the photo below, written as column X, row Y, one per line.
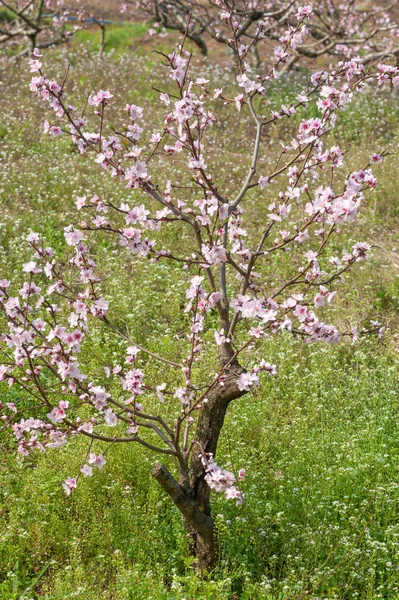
column 29, row 24
column 33, row 24
column 230, row 252
column 338, row 28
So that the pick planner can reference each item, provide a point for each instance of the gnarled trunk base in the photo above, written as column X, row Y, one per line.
column 203, row 548
column 199, row 525
column 192, row 498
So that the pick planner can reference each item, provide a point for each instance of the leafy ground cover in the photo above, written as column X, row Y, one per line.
column 320, row 441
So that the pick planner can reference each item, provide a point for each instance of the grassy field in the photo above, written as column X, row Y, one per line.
column 320, row 442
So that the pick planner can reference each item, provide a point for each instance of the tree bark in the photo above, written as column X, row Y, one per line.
column 209, row 427
column 196, row 520
column 194, row 501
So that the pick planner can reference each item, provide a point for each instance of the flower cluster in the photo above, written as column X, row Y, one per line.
column 222, row 481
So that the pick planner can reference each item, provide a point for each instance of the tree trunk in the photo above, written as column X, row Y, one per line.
column 198, row 523
column 193, row 500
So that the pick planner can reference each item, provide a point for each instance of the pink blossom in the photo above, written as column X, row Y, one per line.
column 214, row 255
column 87, row 471
column 155, row 138
column 221, row 337
column 101, row 96
column 165, row 99
column 135, row 112
column 110, row 418
column 80, row 202
column 70, row 369
column 160, row 389
column 33, row 238
column 97, row 460
column 263, row 182
column 221, row 480
column 3, row 372
column 69, row 485
column 73, row 236
column 239, row 100
column 31, row 267
column 86, row 427
column 267, row 367
column 35, row 65
column 195, row 163
column 246, row 381
column 305, row 11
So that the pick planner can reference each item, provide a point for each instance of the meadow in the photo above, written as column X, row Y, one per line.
column 320, row 441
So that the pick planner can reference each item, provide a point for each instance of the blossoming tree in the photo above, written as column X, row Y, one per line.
column 29, row 24
column 231, row 239
column 340, row 29
column 41, row 23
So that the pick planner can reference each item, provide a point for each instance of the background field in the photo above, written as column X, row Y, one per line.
column 320, row 442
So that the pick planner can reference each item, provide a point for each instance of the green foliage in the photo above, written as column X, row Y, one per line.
column 117, row 37
column 6, row 15
column 321, row 448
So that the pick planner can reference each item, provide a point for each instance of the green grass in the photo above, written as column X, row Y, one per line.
column 319, row 441
column 6, row 15
column 321, row 448
column 117, row 37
